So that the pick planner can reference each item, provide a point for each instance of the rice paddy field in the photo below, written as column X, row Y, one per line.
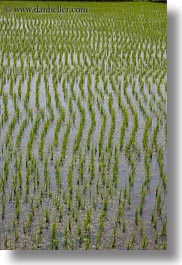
column 83, row 127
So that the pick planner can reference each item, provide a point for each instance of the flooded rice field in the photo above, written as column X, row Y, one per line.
column 83, row 129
